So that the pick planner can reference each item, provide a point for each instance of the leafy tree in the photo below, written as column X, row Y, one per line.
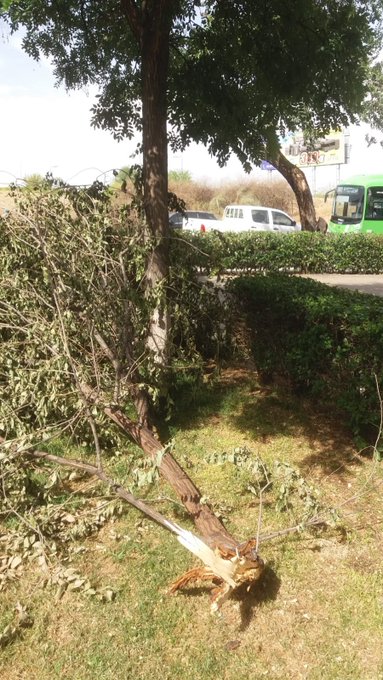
column 279, row 66
column 231, row 75
column 250, row 69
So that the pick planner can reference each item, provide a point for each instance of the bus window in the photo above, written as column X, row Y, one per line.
column 374, row 208
column 348, row 204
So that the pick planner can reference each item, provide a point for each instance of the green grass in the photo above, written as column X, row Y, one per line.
column 317, row 613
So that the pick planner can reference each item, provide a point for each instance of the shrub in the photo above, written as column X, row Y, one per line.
column 35, row 181
column 300, row 252
column 196, row 195
column 325, row 341
column 179, row 176
column 71, row 270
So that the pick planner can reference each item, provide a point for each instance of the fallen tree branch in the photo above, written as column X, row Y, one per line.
column 231, row 565
column 314, row 521
column 207, row 523
column 95, row 471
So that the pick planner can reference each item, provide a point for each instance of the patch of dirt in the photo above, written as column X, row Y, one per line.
column 366, row 560
column 6, row 202
column 234, row 375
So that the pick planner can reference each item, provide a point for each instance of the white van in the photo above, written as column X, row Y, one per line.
column 194, row 220
column 258, row 218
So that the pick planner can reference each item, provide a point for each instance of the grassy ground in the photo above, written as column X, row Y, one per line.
column 316, row 614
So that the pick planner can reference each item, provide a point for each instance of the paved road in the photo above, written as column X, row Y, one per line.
column 365, row 283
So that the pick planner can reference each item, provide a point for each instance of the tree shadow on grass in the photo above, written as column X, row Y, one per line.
column 262, row 412
column 332, row 461
column 277, row 414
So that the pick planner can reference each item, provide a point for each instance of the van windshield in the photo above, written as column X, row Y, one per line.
column 348, row 204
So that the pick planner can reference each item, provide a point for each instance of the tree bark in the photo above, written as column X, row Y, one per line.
column 152, row 29
column 297, row 180
column 156, row 24
column 151, row 25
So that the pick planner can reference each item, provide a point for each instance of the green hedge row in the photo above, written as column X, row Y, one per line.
column 325, row 341
column 261, row 251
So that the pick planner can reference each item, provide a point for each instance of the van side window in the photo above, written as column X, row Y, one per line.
column 280, row 218
column 260, row 216
column 240, row 213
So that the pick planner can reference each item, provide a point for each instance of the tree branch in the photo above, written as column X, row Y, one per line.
column 206, row 521
column 134, row 18
column 103, row 477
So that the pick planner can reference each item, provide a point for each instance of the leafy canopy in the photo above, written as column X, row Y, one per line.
column 274, row 66
column 239, row 72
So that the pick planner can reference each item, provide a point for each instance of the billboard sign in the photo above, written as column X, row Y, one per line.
column 326, row 150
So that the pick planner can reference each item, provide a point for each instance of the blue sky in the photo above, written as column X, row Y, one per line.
column 43, row 128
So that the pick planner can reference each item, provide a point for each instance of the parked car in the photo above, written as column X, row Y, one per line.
column 259, row 218
column 194, row 220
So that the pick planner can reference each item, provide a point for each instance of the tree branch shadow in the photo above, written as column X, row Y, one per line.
column 249, row 599
column 264, row 590
column 266, row 411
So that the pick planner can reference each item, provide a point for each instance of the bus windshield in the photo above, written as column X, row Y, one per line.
column 348, row 204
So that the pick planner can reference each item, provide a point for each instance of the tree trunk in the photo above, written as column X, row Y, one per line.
column 156, row 23
column 207, row 523
column 297, row 180
column 151, row 26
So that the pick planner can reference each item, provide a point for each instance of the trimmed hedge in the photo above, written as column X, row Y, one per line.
column 300, row 252
column 326, row 341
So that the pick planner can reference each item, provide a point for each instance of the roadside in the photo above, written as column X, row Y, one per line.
column 364, row 283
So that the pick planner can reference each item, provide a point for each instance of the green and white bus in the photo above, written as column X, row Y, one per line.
column 358, row 206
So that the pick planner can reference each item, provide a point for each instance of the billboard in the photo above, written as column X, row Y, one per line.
column 326, row 150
